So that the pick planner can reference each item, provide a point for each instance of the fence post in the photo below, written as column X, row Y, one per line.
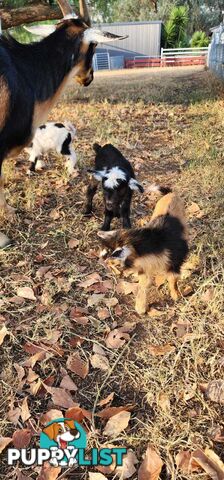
column 161, row 62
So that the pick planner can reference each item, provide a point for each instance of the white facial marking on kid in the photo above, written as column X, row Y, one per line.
column 121, row 253
column 113, row 176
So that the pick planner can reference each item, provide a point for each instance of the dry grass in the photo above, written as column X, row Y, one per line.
column 169, row 123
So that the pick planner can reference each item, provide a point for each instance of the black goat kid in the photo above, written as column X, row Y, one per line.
column 118, row 183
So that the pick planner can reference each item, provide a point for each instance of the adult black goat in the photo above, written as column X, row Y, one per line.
column 32, row 77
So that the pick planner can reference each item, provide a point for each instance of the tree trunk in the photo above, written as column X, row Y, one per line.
column 12, row 17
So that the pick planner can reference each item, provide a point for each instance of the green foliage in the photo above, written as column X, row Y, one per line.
column 176, row 27
column 199, row 39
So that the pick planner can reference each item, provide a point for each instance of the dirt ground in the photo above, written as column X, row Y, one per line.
column 169, row 124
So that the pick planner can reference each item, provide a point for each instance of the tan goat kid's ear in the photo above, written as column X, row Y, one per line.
column 107, row 235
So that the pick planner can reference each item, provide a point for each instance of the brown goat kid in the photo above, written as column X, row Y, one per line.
column 159, row 249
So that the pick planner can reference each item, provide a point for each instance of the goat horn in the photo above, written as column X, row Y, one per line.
column 65, row 7
column 84, row 12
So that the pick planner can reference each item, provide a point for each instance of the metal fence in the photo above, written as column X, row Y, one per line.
column 216, row 52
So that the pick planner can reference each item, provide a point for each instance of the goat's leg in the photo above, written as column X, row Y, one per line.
column 125, row 210
column 4, row 240
column 173, row 287
column 125, row 214
column 107, row 220
column 71, row 161
column 91, row 190
column 141, row 302
column 4, row 207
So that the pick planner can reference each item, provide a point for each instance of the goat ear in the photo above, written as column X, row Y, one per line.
column 107, row 235
column 95, row 35
column 98, row 174
column 41, row 30
column 135, row 185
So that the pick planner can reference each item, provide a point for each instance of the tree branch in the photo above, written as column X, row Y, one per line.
column 12, row 17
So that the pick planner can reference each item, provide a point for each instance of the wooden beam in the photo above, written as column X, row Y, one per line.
column 12, row 17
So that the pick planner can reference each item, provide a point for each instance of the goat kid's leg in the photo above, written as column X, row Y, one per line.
column 125, row 215
column 71, row 161
column 107, row 220
column 91, row 191
column 173, row 286
column 4, row 207
column 141, row 302
column 126, row 209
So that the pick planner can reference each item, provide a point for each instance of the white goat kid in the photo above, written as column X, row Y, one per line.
column 53, row 136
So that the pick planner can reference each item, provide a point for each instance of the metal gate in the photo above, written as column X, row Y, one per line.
column 216, row 52
column 101, row 61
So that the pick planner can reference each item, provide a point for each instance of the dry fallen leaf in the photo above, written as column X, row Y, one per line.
column 117, row 424
column 210, row 463
column 182, row 327
column 163, row 402
column 111, row 302
column 106, row 400
column 128, row 468
column 32, row 376
column 14, row 414
column 208, row 295
column 38, row 357
column 50, row 415
column 103, row 313
column 215, row 391
column 54, row 214
column 126, row 287
column 194, row 210
column 25, row 413
column 20, row 371
column 116, row 338
column 68, row 384
column 185, row 462
column 157, row 350
column 60, row 397
column 26, row 292
column 96, row 476
column 21, row 438
column 90, row 280
column 100, row 361
column 3, row 333
column 79, row 315
column 109, row 412
column 73, row 243
column 4, row 442
column 151, row 466
column 77, row 365
column 41, row 272
column 217, row 434
column 48, row 472
column 95, row 299
column 77, row 413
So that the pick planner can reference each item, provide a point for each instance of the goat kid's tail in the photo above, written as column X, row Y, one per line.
column 96, row 147
column 159, row 189
column 70, row 128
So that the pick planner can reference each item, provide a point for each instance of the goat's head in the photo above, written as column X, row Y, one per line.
column 78, row 27
column 117, row 185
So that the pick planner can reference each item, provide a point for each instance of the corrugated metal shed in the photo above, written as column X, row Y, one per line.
column 144, row 39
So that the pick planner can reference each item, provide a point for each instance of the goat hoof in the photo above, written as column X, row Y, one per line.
column 87, row 213
column 105, row 229
column 140, row 309
column 5, row 241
